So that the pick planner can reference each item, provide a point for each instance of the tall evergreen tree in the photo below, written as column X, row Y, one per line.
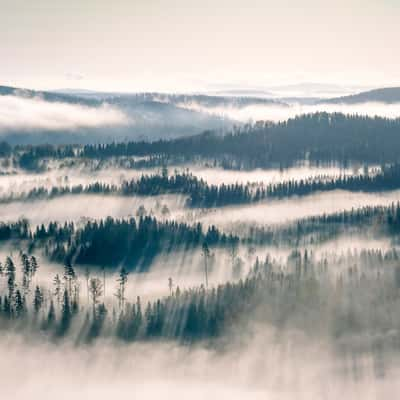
column 65, row 321
column 10, row 272
column 37, row 300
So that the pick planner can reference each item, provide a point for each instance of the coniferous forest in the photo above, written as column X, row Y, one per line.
column 199, row 200
column 273, row 272
column 212, row 243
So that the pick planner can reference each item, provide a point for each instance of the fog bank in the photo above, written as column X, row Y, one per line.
column 278, row 113
column 22, row 113
column 266, row 365
column 288, row 210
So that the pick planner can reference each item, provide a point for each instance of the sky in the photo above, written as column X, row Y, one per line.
column 191, row 45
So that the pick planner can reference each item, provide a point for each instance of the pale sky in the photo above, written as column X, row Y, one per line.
column 186, row 45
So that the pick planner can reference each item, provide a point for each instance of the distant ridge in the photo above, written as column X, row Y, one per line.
column 382, row 95
column 47, row 95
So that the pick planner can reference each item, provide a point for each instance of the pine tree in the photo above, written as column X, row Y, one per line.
column 10, row 272
column 69, row 276
column 65, row 321
column 37, row 300
column 57, row 288
column 26, row 272
column 206, row 256
column 34, row 266
column 87, row 277
column 122, row 280
column 19, row 304
column 103, row 269
column 7, row 307
column 51, row 315
column 170, row 285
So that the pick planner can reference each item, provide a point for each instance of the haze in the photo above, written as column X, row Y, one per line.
column 186, row 45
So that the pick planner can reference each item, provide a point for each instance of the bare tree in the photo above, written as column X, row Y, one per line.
column 96, row 291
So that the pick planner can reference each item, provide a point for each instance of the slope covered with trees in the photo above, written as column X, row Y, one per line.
column 319, row 137
column 324, row 298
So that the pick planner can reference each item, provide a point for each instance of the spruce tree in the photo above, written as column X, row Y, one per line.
column 10, row 272
column 37, row 300
column 65, row 321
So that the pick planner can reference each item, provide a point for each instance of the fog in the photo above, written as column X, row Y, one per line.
column 75, row 208
column 83, row 172
column 265, row 364
column 19, row 182
column 23, row 113
column 278, row 113
column 186, row 268
column 56, row 175
column 218, row 176
column 348, row 242
column 22, row 181
column 288, row 210
column 255, row 360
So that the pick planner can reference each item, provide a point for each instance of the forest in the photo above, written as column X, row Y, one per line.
column 199, row 200
column 202, row 195
column 210, row 242
column 320, row 138
column 323, row 297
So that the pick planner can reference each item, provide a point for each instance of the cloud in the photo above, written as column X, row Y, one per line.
column 22, row 113
column 74, row 77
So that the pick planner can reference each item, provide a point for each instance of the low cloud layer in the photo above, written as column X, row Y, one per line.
column 291, row 209
column 280, row 113
column 22, row 113
column 268, row 365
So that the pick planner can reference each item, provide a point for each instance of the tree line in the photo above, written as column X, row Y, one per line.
column 130, row 242
column 319, row 138
column 135, row 242
column 203, row 195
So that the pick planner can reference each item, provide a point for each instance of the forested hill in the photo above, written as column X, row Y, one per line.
column 319, row 137
column 382, row 95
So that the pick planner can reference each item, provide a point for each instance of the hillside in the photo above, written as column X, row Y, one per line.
column 383, row 95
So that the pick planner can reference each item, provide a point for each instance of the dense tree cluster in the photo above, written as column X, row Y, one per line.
column 135, row 242
column 14, row 230
column 319, row 137
column 376, row 221
column 112, row 242
column 29, row 157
